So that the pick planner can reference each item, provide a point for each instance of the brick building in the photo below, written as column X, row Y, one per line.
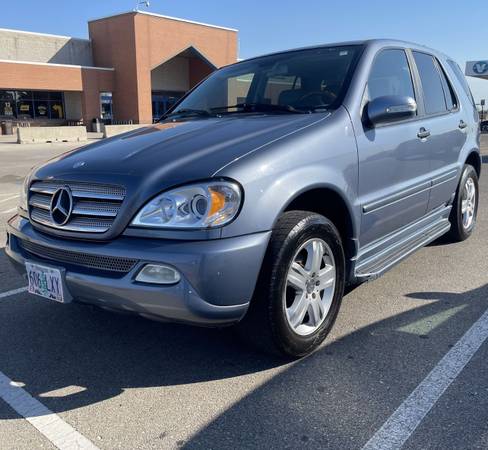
column 134, row 66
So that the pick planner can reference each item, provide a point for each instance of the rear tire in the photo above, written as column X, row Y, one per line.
column 465, row 207
column 300, row 287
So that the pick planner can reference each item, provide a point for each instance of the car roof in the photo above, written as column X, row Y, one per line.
column 371, row 43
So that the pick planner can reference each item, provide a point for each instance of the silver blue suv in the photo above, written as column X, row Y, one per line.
column 267, row 189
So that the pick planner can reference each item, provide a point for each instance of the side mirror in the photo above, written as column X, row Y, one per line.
column 390, row 108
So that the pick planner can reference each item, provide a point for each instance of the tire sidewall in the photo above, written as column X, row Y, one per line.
column 468, row 172
column 314, row 226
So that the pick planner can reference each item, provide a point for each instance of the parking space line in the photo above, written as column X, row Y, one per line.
column 403, row 422
column 57, row 431
column 13, row 292
column 3, row 200
column 8, row 211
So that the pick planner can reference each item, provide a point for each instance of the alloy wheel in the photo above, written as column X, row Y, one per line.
column 310, row 286
column 468, row 203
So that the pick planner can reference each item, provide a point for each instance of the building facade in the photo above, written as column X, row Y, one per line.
column 133, row 67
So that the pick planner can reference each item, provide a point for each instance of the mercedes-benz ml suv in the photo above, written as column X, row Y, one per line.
column 268, row 188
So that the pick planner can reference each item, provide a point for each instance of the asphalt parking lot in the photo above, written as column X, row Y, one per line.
column 122, row 382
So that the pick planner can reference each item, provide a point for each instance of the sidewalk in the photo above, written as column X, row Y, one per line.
column 12, row 138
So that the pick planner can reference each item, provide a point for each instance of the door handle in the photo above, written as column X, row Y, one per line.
column 462, row 125
column 423, row 133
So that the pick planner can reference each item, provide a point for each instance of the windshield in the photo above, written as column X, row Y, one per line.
column 303, row 81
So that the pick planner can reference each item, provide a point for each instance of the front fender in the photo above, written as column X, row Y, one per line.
column 323, row 156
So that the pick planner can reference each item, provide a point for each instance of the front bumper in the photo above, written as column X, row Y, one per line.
column 218, row 276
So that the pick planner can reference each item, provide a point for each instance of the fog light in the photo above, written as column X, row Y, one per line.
column 158, row 274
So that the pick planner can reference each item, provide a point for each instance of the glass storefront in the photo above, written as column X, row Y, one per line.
column 25, row 105
column 162, row 101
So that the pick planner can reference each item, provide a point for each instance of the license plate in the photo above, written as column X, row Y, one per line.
column 45, row 281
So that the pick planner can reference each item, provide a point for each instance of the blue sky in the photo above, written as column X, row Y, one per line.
column 456, row 27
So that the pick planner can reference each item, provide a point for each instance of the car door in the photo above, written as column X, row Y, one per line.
column 446, row 124
column 394, row 178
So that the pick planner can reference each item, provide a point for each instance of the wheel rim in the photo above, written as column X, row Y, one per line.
column 310, row 286
column 468, row 203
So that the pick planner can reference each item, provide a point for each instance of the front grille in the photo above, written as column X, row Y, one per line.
column 95, row 206
column 106, row 263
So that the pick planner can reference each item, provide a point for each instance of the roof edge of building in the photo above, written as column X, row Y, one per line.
column 161, row 16
column 72, row 66
column 35, row 33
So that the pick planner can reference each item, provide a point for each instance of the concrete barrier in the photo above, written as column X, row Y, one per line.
column 114, row 130
column 30, row 135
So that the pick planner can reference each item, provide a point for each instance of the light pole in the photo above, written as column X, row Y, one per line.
column 139, row 3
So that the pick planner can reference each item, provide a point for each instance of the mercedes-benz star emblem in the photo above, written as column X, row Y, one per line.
column 61, row 206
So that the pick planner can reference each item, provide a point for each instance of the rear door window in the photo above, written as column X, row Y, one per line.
column 462, row 79
column 434, row 99
column 451, row 99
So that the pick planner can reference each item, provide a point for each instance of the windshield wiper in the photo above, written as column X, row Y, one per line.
column 260, row 107
column 188, row 112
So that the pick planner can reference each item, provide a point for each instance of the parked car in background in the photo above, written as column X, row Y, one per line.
column 264, row 191
column 484, row 126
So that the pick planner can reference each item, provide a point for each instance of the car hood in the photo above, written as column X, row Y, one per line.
column 174, row 152
column 152, row 159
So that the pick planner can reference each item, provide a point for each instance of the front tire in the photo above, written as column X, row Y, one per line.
column 465, row 207
column 300, row 288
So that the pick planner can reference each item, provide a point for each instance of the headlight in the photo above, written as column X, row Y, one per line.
column 23, row 194
column 203, row 205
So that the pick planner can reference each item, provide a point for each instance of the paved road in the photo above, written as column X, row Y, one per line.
column 15, row 163
column 124, row 382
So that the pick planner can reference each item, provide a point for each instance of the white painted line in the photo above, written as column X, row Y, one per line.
column 403, row 422
column 8, row 211
column 58, row 432
column 13, row 292
column 9, row 198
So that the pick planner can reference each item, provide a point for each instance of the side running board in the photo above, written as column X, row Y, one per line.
column 377, row 264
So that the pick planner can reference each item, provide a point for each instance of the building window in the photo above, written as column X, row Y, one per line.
column 162, row 101
column 7, row 104
column 106, row 105
column 28, row 105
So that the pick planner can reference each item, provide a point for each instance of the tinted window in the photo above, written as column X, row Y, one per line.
column 449, row 93
column 7, row 108
column 275, row 86
column 462, row 79
column 7, row 104
column 31, row 104
column 310, row 80
column 430, row 78
column 238, row 88
column 40, row 95
column 390, row 75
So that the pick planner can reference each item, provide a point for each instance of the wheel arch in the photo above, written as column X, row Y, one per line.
column 331, row 204
column 474, row 159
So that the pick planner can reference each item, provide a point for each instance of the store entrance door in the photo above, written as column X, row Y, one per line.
column 162, row 101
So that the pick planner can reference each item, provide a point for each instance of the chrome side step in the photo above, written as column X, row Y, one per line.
column 375, row 265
